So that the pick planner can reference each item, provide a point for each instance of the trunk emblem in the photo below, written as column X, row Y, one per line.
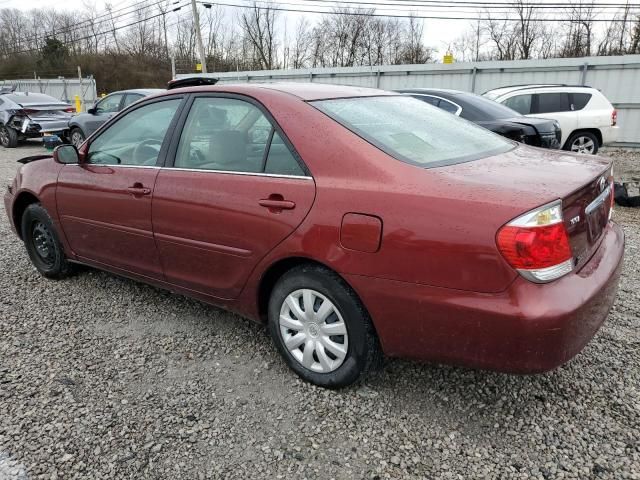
column 574, row 220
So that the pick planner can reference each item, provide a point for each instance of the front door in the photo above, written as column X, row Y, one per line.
column 234, row 192
column 104, row 203
column 104, row 110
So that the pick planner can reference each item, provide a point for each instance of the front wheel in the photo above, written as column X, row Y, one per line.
column 583, row 142
column 42, row 243
column 77, row 137
column 321, row 328
column 8, row 137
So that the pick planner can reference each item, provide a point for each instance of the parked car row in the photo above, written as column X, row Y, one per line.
column 353, row 222
column 579, row 119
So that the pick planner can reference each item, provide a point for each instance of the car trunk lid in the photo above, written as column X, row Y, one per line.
column 525, row 178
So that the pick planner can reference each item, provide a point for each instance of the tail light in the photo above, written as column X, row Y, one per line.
column 536, row 244
column 70, row 110
column 612, row 196
column 614, row 118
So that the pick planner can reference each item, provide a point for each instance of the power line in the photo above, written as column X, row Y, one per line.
column 88, row 22
column 92, row 36
column 273, row 6
column 449, row 5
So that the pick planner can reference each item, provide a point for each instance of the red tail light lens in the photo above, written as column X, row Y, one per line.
column 70, row 110
column 614, row 118
column 537, row 244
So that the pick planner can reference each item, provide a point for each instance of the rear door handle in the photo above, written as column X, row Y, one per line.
column 276, row 202
column 138, row 190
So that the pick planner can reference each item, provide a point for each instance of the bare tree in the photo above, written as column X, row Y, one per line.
column 259, row 26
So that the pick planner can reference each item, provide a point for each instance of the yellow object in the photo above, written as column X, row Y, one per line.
column 198, row 67
column 448, row 58
column 78, row 104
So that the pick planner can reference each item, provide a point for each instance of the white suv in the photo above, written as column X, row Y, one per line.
column 587, row 118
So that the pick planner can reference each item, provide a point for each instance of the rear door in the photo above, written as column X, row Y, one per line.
column 104, row 203
column 233, row 190
column 556, row 106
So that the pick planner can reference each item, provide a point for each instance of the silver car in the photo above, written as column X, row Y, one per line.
column 30, row 115
column 84, row 124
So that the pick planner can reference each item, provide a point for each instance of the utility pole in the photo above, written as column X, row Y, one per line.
column 196, row 24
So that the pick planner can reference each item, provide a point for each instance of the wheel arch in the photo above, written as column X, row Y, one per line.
column 594, row 131
column 20, row 204
column 276, row 270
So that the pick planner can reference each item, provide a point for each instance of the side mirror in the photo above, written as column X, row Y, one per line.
column 66, row 154
column 92, row 111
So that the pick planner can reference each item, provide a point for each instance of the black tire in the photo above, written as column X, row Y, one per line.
column 587, row 138
column 363, row 353
column 8, row 137
column 42, row 243
column 76, row 137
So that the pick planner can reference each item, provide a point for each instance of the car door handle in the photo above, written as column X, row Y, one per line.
column 277, row 203
column 138, row 190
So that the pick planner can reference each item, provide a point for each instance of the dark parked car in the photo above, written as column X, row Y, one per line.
column 30, row 115
column 84, row 124
column 334, row 215
column 538, row 132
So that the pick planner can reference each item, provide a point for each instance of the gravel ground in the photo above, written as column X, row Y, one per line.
column 103, row 377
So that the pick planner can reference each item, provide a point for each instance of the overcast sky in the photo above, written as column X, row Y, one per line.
column 437, row 33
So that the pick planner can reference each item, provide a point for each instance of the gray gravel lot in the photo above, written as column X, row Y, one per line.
column 103, row 377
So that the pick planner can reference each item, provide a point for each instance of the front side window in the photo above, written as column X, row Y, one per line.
column 227, row 134
column 109, row 104
column 136, row 138
column 553, row 102
column 520, row 103
column 413, row 131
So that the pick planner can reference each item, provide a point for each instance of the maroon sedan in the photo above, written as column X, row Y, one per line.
column 354, row 222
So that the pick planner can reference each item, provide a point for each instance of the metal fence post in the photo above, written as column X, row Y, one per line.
column 583, row 79
column 474, row 70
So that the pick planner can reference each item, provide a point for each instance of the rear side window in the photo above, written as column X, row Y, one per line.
column 227, row 134
column 448, row 106
column 520, row 103
column 553, row 102
column 429, row 99
column 580, row 100
column 413, row 131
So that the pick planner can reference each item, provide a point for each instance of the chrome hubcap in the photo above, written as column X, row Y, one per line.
column 313, row 330
column 583, row 145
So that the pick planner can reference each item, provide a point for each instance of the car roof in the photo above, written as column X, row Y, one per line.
column 143, row 91
column 496, row 92
column 434, row 91
column 304, row 91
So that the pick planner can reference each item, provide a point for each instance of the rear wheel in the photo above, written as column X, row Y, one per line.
column 321, row 328
column 77, row 137
column 42, row 243
column 583, row 142
column 8, row 137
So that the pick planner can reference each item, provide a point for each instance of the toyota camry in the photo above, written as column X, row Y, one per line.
column 355, row 223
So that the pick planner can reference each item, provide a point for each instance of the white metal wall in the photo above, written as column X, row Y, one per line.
column 64, row 89
column 617, row 77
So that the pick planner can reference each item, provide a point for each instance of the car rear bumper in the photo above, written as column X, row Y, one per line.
column 609, row 134
column 528, row 328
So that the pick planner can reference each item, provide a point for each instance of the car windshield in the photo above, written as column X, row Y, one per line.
column 413, row 131
column 480, row 109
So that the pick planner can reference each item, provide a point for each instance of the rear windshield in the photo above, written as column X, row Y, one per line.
column 481, row 109
column 32, row 99
column 413, row 131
